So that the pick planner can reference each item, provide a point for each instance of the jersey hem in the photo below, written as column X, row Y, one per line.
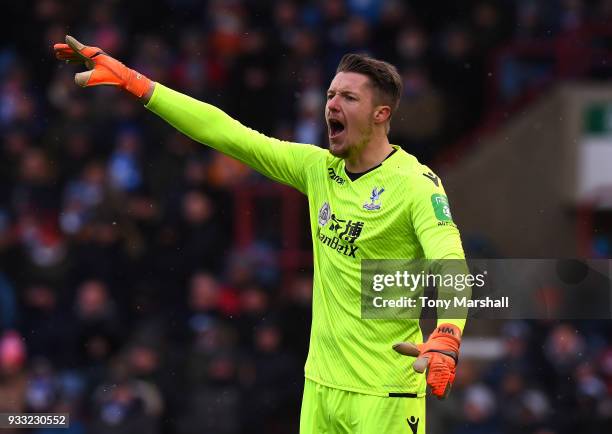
column 362, row 391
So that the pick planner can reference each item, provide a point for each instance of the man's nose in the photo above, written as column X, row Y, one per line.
column 332, row 103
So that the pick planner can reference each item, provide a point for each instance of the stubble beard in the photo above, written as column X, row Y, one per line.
column 349, row 150
column 341, row 151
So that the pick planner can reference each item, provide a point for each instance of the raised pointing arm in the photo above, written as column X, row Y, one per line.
column 279, row 160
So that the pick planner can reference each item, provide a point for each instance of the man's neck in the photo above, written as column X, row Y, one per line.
column 370, row 156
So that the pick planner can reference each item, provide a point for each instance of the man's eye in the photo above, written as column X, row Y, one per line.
column 329, row 96
column 350, row 98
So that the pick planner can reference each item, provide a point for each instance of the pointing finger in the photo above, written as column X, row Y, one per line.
column 74, row 44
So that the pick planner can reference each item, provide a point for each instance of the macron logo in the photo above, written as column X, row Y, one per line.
column 334, row 177
column 413, row 423
column 433, row 178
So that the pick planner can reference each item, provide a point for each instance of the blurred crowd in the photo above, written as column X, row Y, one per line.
column 550, row 378
column 123, row 299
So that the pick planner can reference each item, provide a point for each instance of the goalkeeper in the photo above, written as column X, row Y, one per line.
column 367, row 199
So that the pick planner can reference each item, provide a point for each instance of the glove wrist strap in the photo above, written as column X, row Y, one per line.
column 136, row 83
column 446, row 337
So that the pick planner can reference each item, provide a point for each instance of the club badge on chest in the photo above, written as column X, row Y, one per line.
column 374, row 203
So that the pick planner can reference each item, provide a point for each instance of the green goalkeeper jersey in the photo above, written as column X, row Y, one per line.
column 397, row 210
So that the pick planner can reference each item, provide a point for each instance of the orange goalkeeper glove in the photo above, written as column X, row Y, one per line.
column 103, row 69
column 439, row 356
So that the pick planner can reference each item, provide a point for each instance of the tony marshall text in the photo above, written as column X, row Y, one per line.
column 502, row 302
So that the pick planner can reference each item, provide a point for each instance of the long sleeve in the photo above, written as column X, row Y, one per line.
column 279, row 160
column 440, row 240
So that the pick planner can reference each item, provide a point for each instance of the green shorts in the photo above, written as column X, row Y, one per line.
column 333, row 411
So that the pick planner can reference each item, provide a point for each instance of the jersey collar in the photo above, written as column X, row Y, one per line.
column 352, row 176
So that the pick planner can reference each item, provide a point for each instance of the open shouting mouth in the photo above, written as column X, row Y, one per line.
column 336, row 128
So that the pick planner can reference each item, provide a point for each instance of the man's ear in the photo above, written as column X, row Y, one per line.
column 382, row 113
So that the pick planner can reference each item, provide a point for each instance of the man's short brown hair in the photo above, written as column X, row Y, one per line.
column 384, row 77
